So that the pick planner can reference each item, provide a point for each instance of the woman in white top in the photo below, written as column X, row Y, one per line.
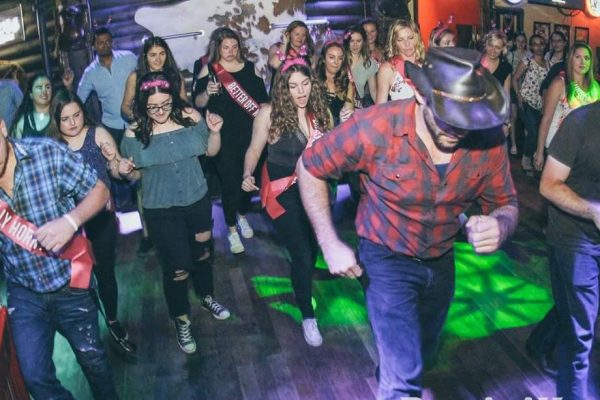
column 568, row 91
column 404, row 44
column 363, row 67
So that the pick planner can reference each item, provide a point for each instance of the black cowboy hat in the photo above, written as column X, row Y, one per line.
column 458, row 89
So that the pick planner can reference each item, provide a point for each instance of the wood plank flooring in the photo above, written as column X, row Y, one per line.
column 259, row 353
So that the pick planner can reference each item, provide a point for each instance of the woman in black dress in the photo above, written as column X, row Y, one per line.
column 229, row 85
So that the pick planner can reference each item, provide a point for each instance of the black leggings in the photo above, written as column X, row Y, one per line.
column 102, row 233
column 173, row 231
column 230, row 168
column 294, row 229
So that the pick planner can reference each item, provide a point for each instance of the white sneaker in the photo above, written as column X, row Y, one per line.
column 311, row 332
column 244, row 227
column 235, row 243
column 217, row 310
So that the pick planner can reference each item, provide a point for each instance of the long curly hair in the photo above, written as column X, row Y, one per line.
column 170, row 68
column 341, row 77
column 395, row 28
column 364, row 51
column 284, row 114
column 143, row 123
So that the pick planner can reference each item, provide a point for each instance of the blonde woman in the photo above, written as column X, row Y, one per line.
column 404, row 44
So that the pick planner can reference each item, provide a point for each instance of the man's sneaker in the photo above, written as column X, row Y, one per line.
column 245, row 228
column 235, row 243
column 183, row 330
column 311, row 332
column 120, row 340
column 144, row 247
column 218, row 311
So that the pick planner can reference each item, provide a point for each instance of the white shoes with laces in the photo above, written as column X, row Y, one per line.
column 235, row 243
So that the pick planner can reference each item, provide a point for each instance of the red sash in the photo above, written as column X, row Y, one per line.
column 236, row 91
column 78, row 251
column 398, row 64
column 270, row 190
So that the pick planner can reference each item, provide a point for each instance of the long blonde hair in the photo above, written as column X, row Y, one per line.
column 395, row 28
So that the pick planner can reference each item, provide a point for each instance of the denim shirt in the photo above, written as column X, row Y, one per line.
column 109, row 85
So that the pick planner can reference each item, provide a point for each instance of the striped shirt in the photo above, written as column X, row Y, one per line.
column 406, row 205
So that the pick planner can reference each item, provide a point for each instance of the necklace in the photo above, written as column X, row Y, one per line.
column 582, row 97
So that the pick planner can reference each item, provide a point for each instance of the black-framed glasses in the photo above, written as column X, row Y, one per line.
column 154, row 109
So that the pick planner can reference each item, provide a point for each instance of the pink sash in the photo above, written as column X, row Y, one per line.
column 78, row 251
column 236, row 91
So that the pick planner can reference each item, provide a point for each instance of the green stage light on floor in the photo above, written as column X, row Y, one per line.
column 489, row 296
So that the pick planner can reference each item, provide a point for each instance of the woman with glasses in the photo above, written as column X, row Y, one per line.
column 156, row 56
column 70, row 125
column 219, row 88
column 162, row 148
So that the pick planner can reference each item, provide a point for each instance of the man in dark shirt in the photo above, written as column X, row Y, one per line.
column 423, row 163
column 570, row 182
column 45, row 184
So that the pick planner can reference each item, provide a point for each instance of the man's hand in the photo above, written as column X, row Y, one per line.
column 484, row 233
column 54, row 235
column 341, row 260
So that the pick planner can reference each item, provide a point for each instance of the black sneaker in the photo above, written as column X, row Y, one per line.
column 144, row 247
column 120, row 340
column 183, row 331
column 212, row 306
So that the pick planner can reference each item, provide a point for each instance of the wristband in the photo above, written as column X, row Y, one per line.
column 71, row 222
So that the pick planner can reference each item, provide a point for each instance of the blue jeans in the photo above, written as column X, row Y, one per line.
column 575, row 289
column 407, row 302
column 35, row 318
column 531, row 119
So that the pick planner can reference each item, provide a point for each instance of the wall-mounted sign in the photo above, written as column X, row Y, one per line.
column 11, row 25
column 593, row 7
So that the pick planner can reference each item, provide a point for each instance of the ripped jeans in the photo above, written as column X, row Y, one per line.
column 34, row 320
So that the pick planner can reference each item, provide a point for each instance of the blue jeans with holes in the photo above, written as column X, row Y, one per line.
column 34, row 320
column 574, row 279
column 407, row 302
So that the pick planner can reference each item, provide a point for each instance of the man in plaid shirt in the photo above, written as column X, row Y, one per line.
column 423, row 163
column 46, row 184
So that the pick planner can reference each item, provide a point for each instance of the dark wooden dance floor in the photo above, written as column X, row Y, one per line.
column 259, row 353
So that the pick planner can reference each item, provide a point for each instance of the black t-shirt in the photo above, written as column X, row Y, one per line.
column 577, row 145
column 237, row 123
column 502, row 72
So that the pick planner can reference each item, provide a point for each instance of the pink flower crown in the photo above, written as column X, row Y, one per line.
column 442, row 26
column 159, row 83
column 294, row 61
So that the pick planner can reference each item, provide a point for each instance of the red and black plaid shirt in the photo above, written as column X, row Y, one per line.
column 406, row 205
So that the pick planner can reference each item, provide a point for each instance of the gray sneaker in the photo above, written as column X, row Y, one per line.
column 183, row 330
column 212, row 306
